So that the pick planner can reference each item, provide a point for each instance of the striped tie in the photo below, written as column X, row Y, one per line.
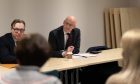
column 69, row 40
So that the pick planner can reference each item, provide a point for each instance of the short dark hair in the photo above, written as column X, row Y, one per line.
column 33, row 49
column 17, row 21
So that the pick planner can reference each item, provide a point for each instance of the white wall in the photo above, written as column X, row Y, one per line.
column 44, row 15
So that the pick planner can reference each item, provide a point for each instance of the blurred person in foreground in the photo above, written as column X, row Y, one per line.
column 8, row 41
column 130, row 73
column 31, row 52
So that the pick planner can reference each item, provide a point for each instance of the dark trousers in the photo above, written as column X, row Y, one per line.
column 69, row 76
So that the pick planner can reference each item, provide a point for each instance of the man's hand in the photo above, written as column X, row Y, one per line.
column 69, row 50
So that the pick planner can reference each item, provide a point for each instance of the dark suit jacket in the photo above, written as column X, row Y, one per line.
column 56, row 40
column 7, row 45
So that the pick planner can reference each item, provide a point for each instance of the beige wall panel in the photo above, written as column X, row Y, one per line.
column 112, row 27
column 125, row 21
column 117, row 26
column 107, row 29
column 130, row 18
column 134, row 15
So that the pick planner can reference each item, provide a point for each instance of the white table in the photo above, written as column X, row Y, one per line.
column 61, row 64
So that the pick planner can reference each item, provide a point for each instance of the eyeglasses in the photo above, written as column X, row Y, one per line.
column 72, row 25
column 17, row 29
column 69, row 24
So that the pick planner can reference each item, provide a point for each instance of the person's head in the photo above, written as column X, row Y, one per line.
column 32, row 49
column 131, row 48
column 69, row 23
column 17, row 29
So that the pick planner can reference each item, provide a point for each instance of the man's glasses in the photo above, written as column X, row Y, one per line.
column 16, row 30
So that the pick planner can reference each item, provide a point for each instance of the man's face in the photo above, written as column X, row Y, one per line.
column 68, row 25
column 18, row 31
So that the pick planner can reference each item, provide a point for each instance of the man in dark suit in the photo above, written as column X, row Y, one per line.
column 58, row 38
column 8, row 41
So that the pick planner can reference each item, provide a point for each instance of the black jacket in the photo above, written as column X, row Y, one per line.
column 56, row 40
column 7, row 45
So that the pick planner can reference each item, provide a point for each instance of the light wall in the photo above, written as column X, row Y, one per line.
column 42, row 16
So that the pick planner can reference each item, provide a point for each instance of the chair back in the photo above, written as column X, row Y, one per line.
column 97, row 48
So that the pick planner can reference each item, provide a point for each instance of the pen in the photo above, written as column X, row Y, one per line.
column 84, row 56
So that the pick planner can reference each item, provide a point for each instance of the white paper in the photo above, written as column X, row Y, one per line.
column 84, row 55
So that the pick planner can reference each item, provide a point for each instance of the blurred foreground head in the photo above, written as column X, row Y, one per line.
column 33, row 50
column 131, row 48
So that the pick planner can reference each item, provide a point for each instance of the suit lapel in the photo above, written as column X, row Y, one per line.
column 61, row 39
column 73, row 36
column 11, row 41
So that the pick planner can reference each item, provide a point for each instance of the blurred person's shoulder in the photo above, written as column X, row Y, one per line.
column 52, row 80
column 116, row 79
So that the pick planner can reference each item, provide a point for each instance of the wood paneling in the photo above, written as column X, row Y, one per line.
column 117, row 21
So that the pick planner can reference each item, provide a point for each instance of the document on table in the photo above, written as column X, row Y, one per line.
column 85, row 55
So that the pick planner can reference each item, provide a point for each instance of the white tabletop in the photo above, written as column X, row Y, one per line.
column 65, row 64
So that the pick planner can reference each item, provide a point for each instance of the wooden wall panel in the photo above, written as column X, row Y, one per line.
column 117, row 26
column 107, row 29
column 117, row 21
column 130, row 18
column 112, row 27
